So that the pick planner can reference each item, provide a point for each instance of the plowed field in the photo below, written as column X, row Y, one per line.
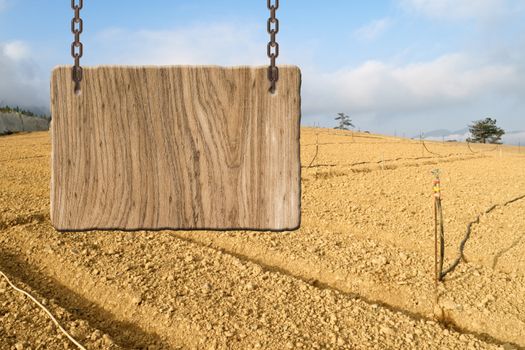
column 358, row 274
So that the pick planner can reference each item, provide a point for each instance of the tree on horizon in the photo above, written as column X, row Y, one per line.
column 484, row 131
column 17, row 109
column 344, row 122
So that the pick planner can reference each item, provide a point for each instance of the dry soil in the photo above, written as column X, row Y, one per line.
column 358, row 274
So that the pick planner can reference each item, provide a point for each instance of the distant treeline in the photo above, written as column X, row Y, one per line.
column 8, row 109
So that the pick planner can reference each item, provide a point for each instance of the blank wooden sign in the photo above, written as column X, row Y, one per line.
column 175, row 147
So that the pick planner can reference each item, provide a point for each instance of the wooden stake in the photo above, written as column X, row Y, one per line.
column 435, row 246
column 436, row 193
column 422, row 146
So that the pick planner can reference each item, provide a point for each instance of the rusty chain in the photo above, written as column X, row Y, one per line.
column 77, row 48
column 273, row 45
column 272, row 48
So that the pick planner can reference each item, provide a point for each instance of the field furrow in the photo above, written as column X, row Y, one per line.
column 358, row 274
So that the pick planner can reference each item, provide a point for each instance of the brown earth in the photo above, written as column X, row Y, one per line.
column 357, row 275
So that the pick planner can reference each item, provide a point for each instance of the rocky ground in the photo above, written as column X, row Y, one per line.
column 357, row 275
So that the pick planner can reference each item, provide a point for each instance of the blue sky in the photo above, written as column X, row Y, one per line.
column 399, row 66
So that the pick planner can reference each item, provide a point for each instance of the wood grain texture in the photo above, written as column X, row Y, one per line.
column 175, row 147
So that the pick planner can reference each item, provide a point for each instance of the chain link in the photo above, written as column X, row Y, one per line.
column 273, row 45
column 77, row 49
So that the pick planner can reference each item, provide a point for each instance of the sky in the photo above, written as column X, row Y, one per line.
column 395, row 66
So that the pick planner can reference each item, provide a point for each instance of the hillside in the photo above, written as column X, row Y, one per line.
column 13, row 122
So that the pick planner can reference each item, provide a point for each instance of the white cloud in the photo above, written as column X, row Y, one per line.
column 372, row 87
column 373, row 29
column 461, row 9
column 380, row 88
column 22, row 83
column 453, row 77
column 376, row 90
column 219, row 43
column 462, row 137
column 510, row 138
column 16, row 50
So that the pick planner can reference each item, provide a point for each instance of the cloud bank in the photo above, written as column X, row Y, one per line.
column 214, row 43
column 387, row 89
column 374, row 87
column 22, row 83
column 510, row 138
column 385, row 94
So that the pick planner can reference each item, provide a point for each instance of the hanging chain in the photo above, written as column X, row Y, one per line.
column 77, row 48
column 273, row 45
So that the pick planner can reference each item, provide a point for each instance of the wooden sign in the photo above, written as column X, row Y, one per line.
column 175, row 147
